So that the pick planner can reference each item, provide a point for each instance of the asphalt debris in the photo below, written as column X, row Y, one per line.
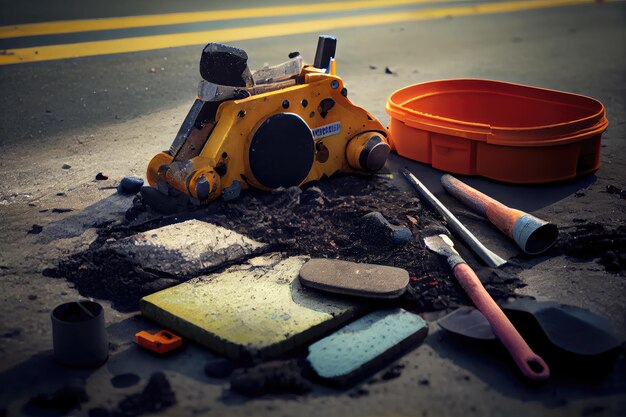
column 99, row 412
column 611, row 189
column 58, row 403
column 35, row 229
column 12, row 333
column 106, row 274
column 156, row 396
column 596, row 241
column 323, row 220
column 358, row 393
column 219, row 368
column 393, row 372
column 593, row 410
column 101, row 177
column 270, row 377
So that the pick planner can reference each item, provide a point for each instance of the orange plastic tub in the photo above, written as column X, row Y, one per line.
column 508, row 132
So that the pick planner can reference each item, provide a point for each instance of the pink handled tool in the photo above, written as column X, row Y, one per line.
column 532, row 365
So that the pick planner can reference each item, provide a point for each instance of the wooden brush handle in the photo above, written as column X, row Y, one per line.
column 531, row 364
column 501, row 216
column 469, row 196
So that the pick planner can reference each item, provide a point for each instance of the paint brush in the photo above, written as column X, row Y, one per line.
column 531, row 364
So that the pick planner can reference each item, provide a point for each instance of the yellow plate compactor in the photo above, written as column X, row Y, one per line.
column 280, row 126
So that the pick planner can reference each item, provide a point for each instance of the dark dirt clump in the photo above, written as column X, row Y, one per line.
column 35, row 229
column 12, row 333
column 58, row 403
column 593, row 240
column 270, row 377
column 156, row 396
column 219, row 368
column 324, row 220
column 358, row 393
column 393, row 372
column 611, row 189
column 105, row 274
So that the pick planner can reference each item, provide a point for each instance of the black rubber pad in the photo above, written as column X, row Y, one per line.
column 281, row 151
column 224, row 65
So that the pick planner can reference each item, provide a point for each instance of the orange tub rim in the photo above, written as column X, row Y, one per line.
column 460, row 113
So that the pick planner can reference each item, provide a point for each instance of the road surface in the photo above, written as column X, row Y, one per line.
column 105, row 88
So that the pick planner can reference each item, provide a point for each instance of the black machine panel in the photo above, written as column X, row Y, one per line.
column 282, row 151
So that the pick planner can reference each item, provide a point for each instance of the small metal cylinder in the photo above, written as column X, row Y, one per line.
column 367, row 152
column 78, row 334
column 534, row 235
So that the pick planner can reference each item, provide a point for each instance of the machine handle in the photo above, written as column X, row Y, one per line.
column 326, row 48
column 532, row 365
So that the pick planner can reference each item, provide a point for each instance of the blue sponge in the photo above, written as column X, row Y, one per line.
column 363, row 346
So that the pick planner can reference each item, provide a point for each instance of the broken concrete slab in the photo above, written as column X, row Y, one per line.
column 364, row 345
column 75, row 233
column 108, row 210
column 249, row 310
column 352, row 278
column 185, row 249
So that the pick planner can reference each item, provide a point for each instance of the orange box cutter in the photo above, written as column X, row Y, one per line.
column 160, row 342
column 276, row 127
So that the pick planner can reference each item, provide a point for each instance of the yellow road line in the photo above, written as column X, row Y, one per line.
column 145, row 43
column 84, row 25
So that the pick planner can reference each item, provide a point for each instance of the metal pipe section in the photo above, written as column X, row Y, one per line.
column 533, row 235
